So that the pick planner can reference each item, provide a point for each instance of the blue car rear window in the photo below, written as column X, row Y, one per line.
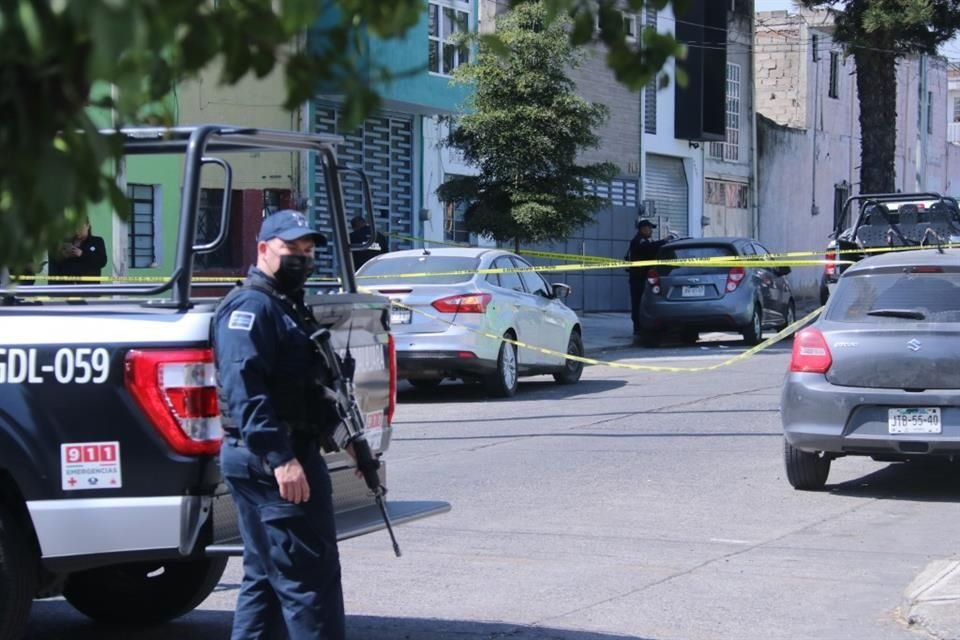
column 935, row 295
column 436, row 269
column 683, row 253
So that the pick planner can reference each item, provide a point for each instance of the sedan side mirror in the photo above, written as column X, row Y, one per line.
column 560, row 290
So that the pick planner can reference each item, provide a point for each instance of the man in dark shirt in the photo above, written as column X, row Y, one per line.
column 82, row 256
column 642, row 247
column 361, row 233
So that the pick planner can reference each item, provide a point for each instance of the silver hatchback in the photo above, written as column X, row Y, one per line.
column 452, row 317
column 879, row 373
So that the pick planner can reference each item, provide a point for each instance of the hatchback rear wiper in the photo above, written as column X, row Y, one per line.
column 912, row 314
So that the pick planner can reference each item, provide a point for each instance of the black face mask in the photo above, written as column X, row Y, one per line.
column 293, row 273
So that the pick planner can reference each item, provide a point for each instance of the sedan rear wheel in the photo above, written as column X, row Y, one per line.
column 805, row 470
column 503, row 382
column 753, row 332
column 572, row 369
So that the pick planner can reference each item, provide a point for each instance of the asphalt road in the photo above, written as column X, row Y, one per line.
column 634, row 505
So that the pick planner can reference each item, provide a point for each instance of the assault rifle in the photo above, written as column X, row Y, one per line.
column 350, row 431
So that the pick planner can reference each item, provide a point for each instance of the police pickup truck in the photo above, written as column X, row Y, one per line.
column 887, row 221
column 110, row 490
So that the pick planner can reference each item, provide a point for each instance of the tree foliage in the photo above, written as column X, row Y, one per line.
column 524, row 129
column 878, row 33
column 57, row 55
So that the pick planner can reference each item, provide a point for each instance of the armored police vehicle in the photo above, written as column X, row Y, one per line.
column 110, row 490
column 888, row 222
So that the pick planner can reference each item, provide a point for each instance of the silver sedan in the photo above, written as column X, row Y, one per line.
column 451, row 319
column 878, row 374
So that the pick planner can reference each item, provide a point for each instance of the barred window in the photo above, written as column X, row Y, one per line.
column 618, row 192
column 142, row 250
column 730, row 149
column 733, row 195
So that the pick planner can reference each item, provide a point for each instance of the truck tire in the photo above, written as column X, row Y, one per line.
column 806, row 471
column 18, row 576
column 143, row 593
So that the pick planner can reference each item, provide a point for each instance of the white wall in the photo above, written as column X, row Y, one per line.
column 663, row 142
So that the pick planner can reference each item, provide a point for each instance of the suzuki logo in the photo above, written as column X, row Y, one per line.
column 914, row 345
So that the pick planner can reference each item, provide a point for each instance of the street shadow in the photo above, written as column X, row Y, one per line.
column 57, row 620
column 573, row 433
column 592, row 415
column 527, row 389
column 929, row 480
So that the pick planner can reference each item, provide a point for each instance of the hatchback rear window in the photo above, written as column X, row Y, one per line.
column 685, row 253
column 896, row 298
column 437, row 269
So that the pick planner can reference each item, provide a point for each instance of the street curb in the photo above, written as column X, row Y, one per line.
column 932, row 601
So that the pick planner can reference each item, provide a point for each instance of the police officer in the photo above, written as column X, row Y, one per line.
column 270, row 459
column 642, row 247
column 361, row 234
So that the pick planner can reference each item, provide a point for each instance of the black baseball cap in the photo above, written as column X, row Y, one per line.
column 643, row 222
column 289, row 225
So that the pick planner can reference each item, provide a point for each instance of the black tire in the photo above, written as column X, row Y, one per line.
column 753, row 332
column 426, row 383
column 689, row 337
column 648, row 339
column 19, row 572
column 572, row 369
column 790, row 318
column 139, row 593
column 503, row 382
column 805, row 471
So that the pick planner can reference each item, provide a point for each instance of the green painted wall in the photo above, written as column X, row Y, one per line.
column 164, row 171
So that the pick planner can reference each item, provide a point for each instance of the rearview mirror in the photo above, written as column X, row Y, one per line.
column 560, row 290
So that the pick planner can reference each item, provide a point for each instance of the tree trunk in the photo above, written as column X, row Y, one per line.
column 877, row 86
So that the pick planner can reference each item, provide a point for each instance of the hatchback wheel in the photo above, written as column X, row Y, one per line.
column 791, row 316
column 503, row 382
column 805, row 471
column 753, row 332
column 572, row 369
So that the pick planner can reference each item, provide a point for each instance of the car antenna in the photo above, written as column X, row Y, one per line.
column 426, row 251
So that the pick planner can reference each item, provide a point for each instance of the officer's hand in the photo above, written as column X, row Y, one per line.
column 292, row 481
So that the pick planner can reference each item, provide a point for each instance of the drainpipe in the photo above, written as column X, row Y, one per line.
column 816, row 103
column 754, row 151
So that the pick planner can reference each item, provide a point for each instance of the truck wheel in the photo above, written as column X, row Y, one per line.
column 426, row 383
column 18, row 576
column 805, row 471
column 572, row 369
column 503, row 382
column 143, row 593
column 753, row 332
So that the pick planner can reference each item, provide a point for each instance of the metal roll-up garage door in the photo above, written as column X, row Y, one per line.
column 383, row 147
column 666, row 185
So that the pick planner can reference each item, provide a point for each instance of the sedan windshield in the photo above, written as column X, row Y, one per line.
column 896, row 297
column 434, row 269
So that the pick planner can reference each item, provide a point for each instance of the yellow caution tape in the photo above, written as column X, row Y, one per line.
column 766, row 344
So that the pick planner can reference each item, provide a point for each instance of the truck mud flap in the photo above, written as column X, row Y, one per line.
column 356, row 522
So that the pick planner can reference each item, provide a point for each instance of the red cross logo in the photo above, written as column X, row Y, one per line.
column 72, row 481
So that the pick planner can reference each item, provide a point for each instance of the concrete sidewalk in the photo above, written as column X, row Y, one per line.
column 931, row 603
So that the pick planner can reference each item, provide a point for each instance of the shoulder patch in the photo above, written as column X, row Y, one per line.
column 242, row 320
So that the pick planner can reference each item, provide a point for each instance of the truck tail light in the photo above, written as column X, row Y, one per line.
column 734, row 278
column 810, row 352
column 177, row 391
column 829, row 268
column 392, row 363
column 463, row 303
column 653, row 281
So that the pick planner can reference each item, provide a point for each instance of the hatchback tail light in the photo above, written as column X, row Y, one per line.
column 392, row 363
column 177, row 391
column 810, row 352
column 830, row 268
column 734, row 278
column 653, row 281
column 465, row 303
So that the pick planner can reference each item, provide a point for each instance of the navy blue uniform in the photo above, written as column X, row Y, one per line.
column 291, row 563
column 640, row 249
